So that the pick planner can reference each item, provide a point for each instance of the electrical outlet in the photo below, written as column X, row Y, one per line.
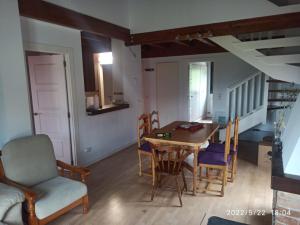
column 88, row 149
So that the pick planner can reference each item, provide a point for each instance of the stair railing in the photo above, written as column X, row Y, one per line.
column 247, row 96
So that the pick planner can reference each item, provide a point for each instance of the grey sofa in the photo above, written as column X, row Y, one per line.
column 10, row 205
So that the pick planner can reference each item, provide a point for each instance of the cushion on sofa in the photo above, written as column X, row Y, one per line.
column 9, row 196
column 56, row 194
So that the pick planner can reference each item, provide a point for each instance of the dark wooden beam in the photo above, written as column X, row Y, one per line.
column 259, row 24
column 156, row 46
column 205, row 41
column 51, row 13
column 176, row 49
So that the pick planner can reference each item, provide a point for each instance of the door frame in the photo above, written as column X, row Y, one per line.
column 70, row 86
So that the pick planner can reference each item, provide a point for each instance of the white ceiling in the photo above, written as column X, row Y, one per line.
column 151, row 15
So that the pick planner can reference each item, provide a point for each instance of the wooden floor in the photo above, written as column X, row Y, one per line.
column 119, row 196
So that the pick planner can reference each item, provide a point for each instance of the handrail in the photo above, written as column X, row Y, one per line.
column 239, row 83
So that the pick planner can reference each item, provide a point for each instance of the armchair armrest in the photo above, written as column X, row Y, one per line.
column 82, row 171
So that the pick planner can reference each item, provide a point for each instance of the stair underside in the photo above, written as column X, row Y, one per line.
column 277, row 67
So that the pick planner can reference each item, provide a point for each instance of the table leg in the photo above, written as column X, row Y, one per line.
column 195, row 172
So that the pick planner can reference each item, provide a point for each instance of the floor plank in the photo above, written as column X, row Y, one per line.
column 119, row 196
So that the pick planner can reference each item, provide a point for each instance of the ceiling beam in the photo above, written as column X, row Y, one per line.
column 177, row 50
column 258, row 24
column 44, row 11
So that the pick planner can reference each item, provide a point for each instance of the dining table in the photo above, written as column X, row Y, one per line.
column 196, row 140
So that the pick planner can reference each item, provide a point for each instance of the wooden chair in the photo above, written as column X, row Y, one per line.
column 169, row 162
column 234, row 148
column 215, row 147
column 29, row 164
column 144, row 147
column 154, row 120
column 217, row 160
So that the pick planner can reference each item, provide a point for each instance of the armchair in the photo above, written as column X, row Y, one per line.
column 29, row 164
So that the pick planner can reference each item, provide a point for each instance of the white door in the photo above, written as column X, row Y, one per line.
column 198, row 90
column 49, row 100
column 167, row 92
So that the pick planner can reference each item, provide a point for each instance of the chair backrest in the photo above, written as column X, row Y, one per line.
column 168, row 159
column 143, row 128
column 236, row 133
column 227, row 140
column 154, row 120
column 29, row 160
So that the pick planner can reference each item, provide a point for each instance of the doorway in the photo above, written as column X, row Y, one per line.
column 49, row 100
column 199, row 77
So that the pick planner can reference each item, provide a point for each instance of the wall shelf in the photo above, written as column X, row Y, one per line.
column 106, row 109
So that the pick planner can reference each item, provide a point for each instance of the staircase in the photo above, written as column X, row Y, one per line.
column 248, row 99
column 276, row 55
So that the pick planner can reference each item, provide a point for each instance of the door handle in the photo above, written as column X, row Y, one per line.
column 36, row 114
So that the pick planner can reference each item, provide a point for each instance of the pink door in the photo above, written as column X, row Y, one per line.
column 49, row 100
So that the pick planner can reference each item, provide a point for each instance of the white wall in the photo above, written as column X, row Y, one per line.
column 113, row 11
column 105, row 133
column 14, row 104
column 228, row 69
column 153, row 15
column 291, row 142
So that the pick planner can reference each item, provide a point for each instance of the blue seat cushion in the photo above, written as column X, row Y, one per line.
column 213, row 158
column 215, row 147
column 56, row 194
column 214, row 220
column 146, row 147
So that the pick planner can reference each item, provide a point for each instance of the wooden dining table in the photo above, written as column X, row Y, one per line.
column 195, row 140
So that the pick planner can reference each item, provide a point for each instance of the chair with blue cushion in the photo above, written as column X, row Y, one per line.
column 216, row 147
column 29, row 164
column 217, row 160
column 144, row 147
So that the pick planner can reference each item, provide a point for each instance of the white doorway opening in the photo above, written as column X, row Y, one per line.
column 199, row 92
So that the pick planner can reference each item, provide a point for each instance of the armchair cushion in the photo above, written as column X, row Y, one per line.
column 9, row 197
column 29, row 160
column 56, row 194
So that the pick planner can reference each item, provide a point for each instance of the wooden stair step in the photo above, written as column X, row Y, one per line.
column 281, row 100
column 285, row 91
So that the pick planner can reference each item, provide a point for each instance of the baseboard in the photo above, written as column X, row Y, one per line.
column 97, row 159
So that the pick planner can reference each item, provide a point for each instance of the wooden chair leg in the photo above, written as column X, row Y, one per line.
column 232, row 170
column 226, row 175
column 184, row 180
column 200, row 173
column 224, row 182
column 32, row 219
column 178, row 190
column 85, row 202
column 235, row 164
column 153, row 171
column 140, row 164
column 154, row 188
